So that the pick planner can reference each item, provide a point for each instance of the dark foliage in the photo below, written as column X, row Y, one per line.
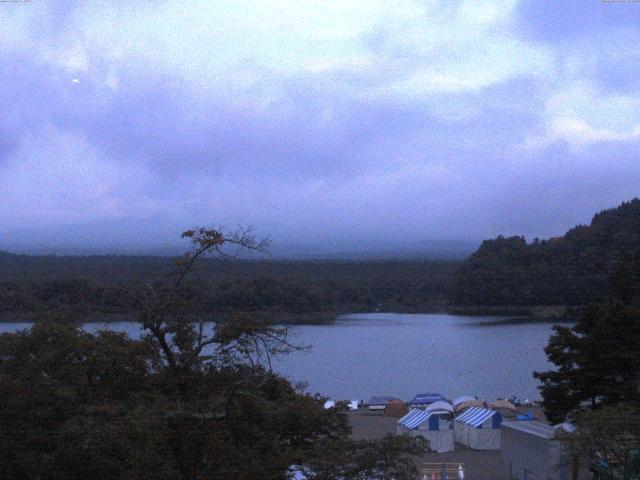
column 607, row 437
column 75, row 405
column 598, row 358
column 94, row 287
column 181, row 403
column 571, row 270
column 348, row 459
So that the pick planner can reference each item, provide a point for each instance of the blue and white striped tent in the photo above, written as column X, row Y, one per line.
column 476, row 417
column 417, row 417
column 435, row 428
column 478, row 428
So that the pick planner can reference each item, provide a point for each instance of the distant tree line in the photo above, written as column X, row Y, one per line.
column 572, row 270
column 302, row 291
column 575, row 269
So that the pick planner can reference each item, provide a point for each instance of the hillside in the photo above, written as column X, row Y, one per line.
column 571, row 270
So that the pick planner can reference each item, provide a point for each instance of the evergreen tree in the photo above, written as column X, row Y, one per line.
column 572, row 270
column 597, row 359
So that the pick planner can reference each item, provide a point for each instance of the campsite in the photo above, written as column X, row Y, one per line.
column 464, row 433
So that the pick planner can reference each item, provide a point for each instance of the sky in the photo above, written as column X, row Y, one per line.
column 332, row 125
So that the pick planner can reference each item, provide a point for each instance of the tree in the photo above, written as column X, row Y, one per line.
column 572, row 270
column 598, row 361
column 187, row 401
column 598, row 358
column 60, row 389
column 605, row 436
column 348, row 459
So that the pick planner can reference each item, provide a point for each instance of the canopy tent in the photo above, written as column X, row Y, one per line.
column 434, row 428
column 459, row 400
column 440, row 407
column 395, row 408
column 462, row 406
column 505, row 407
column 423, row 399
column 379, row 403
column 478, row 428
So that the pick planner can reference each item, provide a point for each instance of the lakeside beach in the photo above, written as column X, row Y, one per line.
column 478, row 464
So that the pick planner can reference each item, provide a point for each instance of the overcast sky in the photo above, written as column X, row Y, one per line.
column 359, row 122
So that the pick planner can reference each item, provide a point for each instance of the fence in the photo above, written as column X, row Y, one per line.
column 442, row 471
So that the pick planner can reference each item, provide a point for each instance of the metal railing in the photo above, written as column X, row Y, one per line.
column 442, row 471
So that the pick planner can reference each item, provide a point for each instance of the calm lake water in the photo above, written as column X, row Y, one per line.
column 362, row 355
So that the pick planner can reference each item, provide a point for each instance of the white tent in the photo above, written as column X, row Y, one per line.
column 440, row 407
column 436, row 429
column 478, row 428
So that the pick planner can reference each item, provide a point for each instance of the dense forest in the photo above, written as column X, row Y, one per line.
column 506, row 274
column 99, row 287
column 572, row 270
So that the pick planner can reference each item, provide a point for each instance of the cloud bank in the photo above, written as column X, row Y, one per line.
column 323, row 123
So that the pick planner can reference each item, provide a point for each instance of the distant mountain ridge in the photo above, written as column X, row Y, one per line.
column 571, row 270
column 158, row 236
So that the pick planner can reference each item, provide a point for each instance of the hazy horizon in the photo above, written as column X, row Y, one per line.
column 153, row 237
column 147, row 238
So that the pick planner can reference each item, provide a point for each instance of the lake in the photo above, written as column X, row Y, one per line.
column 361, row 355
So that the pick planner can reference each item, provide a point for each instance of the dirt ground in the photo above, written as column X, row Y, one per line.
column 478, row 465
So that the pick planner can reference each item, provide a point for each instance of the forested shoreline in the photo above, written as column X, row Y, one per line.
column 569, row 271
column 544, row 279
column 98, row 287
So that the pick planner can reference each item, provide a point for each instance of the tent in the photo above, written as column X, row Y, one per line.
column 423, row 399
column 464, row 398
column 395, row 408
column 478, row 428
column 505, row 407
column 434, row 428
column 379, row 403
column 440, row 407
column 462, row 406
